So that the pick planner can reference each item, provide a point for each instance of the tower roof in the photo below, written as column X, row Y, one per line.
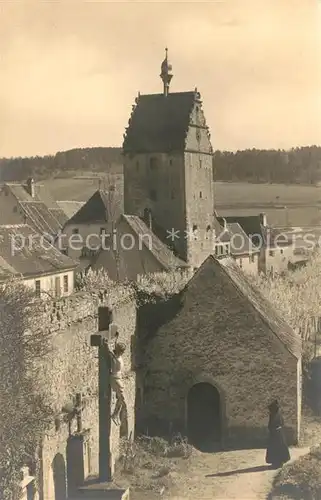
column 159, row 123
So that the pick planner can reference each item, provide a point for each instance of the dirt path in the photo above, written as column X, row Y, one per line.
column 227, row 475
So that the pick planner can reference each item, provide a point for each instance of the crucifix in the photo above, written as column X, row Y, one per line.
column 100, row 339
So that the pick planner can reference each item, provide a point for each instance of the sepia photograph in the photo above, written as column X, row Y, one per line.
column 160, row 250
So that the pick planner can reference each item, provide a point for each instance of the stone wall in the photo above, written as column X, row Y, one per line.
column 72, row 367
column 214, row 335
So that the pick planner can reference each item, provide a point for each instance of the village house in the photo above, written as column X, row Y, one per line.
column 28, row 255
column 276, row 249
column 213, row 358
column 31, row 204
column 241, row 247
column 134, row 250
column 82, row 235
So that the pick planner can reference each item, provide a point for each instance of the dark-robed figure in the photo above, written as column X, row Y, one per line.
column 277, row 452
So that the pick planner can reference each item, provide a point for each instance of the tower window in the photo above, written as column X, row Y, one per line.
column 153, row 195
column 201, row 194
column 195, row 231
column 153, row 163
column 195, row 227
column 171, row 162
column 173, row 194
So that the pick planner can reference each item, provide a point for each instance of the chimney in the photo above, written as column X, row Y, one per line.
column 31, row 187
column 263, row 221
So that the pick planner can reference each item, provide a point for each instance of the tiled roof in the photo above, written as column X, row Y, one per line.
column 43, row 219
column 228, row 269
column 159, row 123
column 240, row 242
column 26, row 252
column 97, row 209
column 258, row 233
column 70, row 207
column 6, row 271
column 160, row 251
column 251, row 224
column 43, row 210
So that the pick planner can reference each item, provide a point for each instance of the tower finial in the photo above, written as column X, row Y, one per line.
column 166, row 73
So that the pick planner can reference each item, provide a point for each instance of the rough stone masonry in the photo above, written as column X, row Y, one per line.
column 72, row 367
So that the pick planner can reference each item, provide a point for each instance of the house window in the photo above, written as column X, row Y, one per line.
column 153, row 195
column 271, row 253
column 241, row 263
column 38, row 288
column 75, row 230
column 66, row 287
column 226, row 249
column 201, row 194
column 57, row 286
column 219, row 250
column 281, row 250
column 102, row 231
column 153, row 163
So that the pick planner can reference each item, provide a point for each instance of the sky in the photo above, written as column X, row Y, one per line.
column 70, row 70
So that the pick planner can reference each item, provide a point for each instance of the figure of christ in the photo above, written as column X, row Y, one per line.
column 117, row 377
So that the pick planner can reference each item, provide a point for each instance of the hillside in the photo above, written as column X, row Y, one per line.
column 296, row 166
column 63, row 164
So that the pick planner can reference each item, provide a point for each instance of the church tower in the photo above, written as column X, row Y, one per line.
column 168, row 175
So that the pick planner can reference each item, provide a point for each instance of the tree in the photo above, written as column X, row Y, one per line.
column 297, row 297
column 24, row 415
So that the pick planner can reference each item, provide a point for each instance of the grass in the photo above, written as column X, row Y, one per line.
column 299, row 480
column 149, row 464
column 303, row 202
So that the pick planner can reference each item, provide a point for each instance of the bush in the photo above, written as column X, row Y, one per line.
column 299, row 480
column 297, row 297
column 24, row 414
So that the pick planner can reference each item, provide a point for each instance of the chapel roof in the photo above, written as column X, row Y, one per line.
column 226, row 270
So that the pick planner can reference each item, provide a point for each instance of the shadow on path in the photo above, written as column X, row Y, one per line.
column 258, row 468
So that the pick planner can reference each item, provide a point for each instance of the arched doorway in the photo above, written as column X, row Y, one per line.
column 204, row 424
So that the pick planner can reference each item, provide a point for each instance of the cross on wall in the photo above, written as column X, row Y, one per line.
column 106, row 334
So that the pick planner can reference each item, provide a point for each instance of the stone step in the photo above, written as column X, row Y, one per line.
column 101, row 491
